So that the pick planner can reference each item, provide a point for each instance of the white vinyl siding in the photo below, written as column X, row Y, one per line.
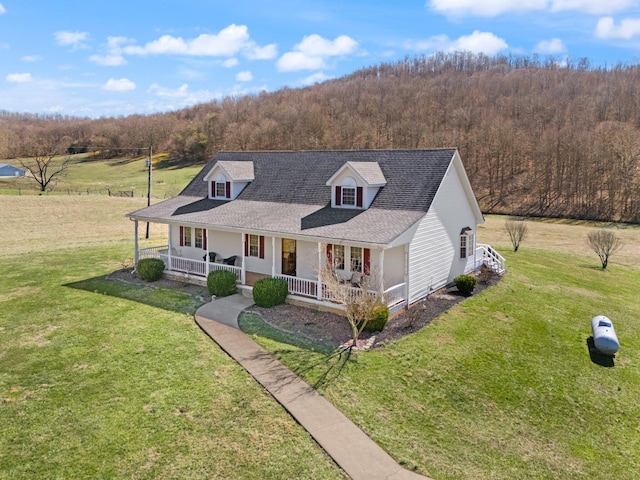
column 434, row 252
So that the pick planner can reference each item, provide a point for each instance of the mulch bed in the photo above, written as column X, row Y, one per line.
column 329, row 327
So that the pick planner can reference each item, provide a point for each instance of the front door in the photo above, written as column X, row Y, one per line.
column 288, row 257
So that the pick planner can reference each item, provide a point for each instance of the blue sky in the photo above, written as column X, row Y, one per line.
column 117, row 58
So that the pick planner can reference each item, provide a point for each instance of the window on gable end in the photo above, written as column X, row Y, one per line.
column 466, row 243
column 347, row 193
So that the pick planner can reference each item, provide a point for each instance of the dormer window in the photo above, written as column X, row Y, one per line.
column 348, row 192
column 356, row 184
column 227, row 179
column 220, row 188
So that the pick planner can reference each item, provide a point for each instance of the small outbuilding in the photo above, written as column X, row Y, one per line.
column 10, row 171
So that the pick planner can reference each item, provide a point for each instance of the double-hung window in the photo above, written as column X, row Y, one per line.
column 254, row 245
column 348, row 196
column 198, row 238
column 338, row 257
column 466, row 245
column 356, row 259
column 186, row 236
column 221, row 189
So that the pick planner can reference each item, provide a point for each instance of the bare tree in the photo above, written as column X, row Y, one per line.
column 360, row 302
column 41, row 162
column 517, row 230
column 605, row 243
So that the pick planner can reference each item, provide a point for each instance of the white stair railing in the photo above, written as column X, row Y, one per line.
column 486, row 255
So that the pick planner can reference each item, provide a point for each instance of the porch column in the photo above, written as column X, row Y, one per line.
column 406, row 273
column 382, row 269
column 206, row 254
column 169, row 246
column 136, row 253
column 243, row 267
column 319, row 286
column 273, row 256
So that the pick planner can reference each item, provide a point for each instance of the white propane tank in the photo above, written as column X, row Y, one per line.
column 604, row 335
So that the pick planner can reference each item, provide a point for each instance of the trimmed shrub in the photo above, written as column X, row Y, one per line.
column 221, row 283
column 150, row 269
column 269, row 292
column 465, row 283
column 378, row 320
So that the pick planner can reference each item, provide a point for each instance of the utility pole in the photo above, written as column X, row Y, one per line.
column 149, row 187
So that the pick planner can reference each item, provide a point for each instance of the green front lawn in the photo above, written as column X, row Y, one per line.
column 503, row 385
column 97, row 386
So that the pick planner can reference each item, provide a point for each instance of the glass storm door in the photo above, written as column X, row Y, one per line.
column 289, row 257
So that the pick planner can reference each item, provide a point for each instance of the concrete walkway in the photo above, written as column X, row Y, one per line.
column 358, row 455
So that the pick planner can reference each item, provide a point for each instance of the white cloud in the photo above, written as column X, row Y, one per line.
column 230, row 62
column 254, row 52
column 627, row 29
column 181, row 95
column 74, row 39
column 477, row 42
column 292, row 61
column 18, row 77
column 555, row 45
column 315, row 78
column 313, row 52
column 594, row 7
column 487, row 8
column 244, row 76
column 108, row 60
column 180, row 92
column 113, row 57
column 2, row 9
column 122, row 85
column 31, row 58
column 228, row 42
column 492, row 8
column 480, row 42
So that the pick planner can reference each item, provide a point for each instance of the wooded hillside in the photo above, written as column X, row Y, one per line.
column 537, row 138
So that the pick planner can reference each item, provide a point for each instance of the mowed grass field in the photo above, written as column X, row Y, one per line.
column 502, row 386
column 96, row 386
column 89, row 176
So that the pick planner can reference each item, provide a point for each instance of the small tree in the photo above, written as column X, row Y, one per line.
column 517, row 230
column 361, row 306
column 605, row 243
column 41, row 161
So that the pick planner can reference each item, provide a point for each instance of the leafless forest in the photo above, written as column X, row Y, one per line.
column 537, row 138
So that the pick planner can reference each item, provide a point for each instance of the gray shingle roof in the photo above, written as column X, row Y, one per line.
column 370, row 172
column 238, row 170
column 289, row 195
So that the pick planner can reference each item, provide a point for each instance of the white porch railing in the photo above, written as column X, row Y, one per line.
column 300, row 286
column 297, row 286
column 185, row 265
column 213, row 267
column 395, row 295
column 486, row 255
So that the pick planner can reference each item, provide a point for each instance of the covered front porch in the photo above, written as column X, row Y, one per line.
column 192, row 253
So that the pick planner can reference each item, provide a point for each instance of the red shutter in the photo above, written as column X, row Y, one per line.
column 359, row 197
column 212, row 186
column 338, row 196
column 367, row 261
column 204, row 238
column 330, row 255
column 246, row 244
column 228, row 190
column 261, row 247
column 181, row 236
